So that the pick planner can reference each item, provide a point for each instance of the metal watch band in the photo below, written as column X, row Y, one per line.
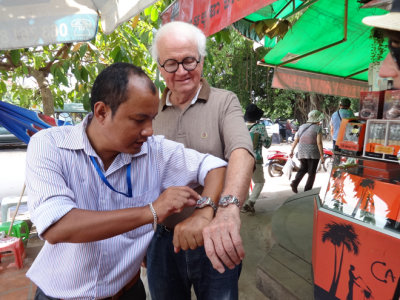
column 224, row 201
column 206, row 201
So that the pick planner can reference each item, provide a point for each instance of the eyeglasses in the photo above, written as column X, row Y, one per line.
column 395, row 51
column 188, row 63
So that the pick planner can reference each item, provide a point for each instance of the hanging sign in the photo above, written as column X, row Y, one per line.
column 211, row 15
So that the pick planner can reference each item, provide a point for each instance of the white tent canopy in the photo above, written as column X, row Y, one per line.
column 28, row 23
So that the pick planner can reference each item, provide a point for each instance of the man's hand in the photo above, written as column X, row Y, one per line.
column 222, row 240
column 173, row 200
column 188, row 233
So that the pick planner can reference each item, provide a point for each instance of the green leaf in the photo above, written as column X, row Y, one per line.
column 82, row 50
column 84, row 74
column 115, row 53
column 15, row 57
column 25, row 70
column 147, row 11
column 86, row 101
column 154, row 14
column 77, row 73
column 3, row 87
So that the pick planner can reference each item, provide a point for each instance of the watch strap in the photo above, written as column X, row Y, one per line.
column 224, row 201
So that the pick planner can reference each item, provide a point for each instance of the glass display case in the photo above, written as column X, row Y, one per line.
column 382, row 139
column 365, row 190
column 356, row 237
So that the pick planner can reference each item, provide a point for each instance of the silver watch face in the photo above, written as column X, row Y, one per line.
column 205, row 201
column 226, row 200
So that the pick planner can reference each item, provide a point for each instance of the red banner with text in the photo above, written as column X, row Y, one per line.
column 211, row 15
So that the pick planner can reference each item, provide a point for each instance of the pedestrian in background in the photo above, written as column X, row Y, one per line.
column 276, row 136
column 260, row 138
column 344, row 112
column 309, row 138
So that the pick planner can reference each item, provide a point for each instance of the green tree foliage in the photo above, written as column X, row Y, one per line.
column 66, row 72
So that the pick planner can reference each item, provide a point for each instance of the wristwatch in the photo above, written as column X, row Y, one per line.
column 205, row 201
column 224, row 201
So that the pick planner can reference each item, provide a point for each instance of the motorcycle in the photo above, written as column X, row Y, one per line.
column 277, row 159
column 328, row 160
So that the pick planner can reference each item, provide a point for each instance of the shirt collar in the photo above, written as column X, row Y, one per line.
column 203, row 93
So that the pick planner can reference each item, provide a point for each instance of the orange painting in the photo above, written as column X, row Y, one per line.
column 351, row 261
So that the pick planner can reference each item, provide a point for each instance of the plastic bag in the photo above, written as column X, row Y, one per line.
column 288, row 168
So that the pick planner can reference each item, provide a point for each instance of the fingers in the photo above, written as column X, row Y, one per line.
column 211, row 254
column 223, row 248
column 188, row 233
column 173, row 200
column 222, row 241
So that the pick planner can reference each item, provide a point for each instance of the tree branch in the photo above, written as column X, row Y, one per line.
column 61, row 53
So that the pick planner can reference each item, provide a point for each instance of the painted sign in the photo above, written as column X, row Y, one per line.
column 211, row 15
column 351, row 261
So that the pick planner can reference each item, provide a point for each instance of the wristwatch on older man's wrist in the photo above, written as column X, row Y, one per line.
column 224, row 201
column 205, row 201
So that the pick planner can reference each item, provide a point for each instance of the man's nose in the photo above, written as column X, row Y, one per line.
column 181, row 69
column 148, row 129
column 388, row 67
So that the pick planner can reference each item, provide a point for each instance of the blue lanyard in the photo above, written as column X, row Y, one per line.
column 128, row 178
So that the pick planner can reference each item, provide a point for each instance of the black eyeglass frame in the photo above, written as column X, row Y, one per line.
column 180, row 63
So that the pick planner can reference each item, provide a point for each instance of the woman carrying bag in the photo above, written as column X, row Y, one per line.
column 309, row 138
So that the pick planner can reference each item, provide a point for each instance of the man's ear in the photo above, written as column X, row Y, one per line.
column 101, row 111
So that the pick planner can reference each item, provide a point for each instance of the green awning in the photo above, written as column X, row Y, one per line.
column 320, row 26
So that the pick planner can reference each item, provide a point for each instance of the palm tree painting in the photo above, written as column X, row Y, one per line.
column 342, row 236
column 366, row 201
column 337, row 190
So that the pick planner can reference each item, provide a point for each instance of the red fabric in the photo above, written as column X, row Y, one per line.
column 209, row 15
column 318, row 83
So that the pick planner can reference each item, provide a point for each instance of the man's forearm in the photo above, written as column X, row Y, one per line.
column 238, row 174
column 73, row 227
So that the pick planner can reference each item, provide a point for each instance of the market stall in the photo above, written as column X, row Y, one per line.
column 356, row 238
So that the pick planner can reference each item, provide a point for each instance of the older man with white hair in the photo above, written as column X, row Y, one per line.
column 208, row 120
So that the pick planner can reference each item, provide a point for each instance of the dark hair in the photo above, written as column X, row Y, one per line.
column 253, row 113
column 345, row 102
column 111, row 84
column 391, row 34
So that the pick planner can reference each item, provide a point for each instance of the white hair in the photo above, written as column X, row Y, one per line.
column 182, row 28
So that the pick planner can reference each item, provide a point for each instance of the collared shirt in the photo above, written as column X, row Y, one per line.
column 213, row 124
column 60, row 177
column 168, row 102
column 336, row 120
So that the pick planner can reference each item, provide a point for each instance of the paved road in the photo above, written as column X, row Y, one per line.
column 255, row 231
